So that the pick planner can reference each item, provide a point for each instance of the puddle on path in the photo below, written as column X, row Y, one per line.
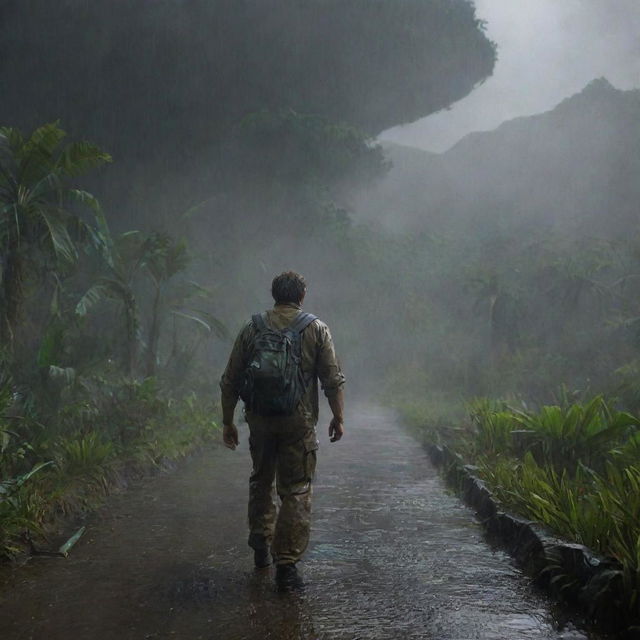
column 394, row 555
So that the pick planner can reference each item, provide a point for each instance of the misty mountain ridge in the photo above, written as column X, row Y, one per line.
column 574, row 166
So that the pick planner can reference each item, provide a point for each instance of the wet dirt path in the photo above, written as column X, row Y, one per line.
column 393, row 555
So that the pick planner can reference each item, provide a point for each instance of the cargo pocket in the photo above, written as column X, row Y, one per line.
column 310, row 448
column 297, row 464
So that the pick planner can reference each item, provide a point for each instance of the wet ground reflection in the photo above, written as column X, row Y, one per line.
column 393, row 555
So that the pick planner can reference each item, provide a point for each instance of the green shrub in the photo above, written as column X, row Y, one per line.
column 84, row 454
column 601, row 511
column 560, row 436
column 585, row 434
column 20, row 508
column 493, row 425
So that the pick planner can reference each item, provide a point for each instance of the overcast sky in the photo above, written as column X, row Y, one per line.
column 547, row 50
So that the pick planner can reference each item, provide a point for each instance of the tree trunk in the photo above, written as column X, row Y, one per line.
column 154, row 336
column 12, row 293
column 131, row 312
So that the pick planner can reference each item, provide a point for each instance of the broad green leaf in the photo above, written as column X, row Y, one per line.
column 59, row 236
column 92, row 296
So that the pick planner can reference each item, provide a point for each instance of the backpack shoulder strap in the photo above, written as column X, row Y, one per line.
column 302, row 321
column 260, row 321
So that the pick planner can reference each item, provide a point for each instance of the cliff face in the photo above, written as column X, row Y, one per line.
column 574, row 167
column 160, row 84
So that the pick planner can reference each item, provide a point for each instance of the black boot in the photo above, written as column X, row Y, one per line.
column 261, row 554
column 287, row 577
column 262, row 558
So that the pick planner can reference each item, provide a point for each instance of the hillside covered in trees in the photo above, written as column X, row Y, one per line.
column 530, row 240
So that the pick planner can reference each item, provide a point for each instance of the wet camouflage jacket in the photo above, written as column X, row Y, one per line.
column 318, row 361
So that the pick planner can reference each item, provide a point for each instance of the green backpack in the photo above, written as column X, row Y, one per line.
column 274, row 382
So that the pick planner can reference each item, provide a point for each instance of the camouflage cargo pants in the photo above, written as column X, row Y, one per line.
column 282, row 450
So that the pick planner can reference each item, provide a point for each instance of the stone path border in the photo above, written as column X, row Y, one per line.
column 572, row 572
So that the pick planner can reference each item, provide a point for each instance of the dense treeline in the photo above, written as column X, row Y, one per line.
column 162, row 84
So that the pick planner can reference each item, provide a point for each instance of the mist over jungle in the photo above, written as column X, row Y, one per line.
column 248, row 130
column 161, row 162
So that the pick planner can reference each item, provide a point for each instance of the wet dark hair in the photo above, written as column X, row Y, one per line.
column 288, row 287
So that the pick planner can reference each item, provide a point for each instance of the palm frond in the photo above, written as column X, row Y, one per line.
column 46, row 138
column 105, row 288
column 35, row 157
column 92, row 296
column 84, row 197
column 101, row 238
column 61, row 241
column 193, row 318
column 11, row 138
column 65, row 374
column 198, row 290
column 205, row 319
column 78, row 157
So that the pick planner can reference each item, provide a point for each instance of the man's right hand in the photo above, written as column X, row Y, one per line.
column 230, row 436
column 336, row 429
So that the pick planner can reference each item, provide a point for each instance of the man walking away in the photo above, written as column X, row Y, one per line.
column 276, row 362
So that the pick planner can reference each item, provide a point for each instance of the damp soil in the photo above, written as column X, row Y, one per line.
column 393, row 554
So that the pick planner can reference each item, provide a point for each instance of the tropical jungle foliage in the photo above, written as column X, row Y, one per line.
column 574, row 468
column 91, row 388
column 239, row 132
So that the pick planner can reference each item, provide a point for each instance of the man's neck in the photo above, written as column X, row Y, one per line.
column 291, row 305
